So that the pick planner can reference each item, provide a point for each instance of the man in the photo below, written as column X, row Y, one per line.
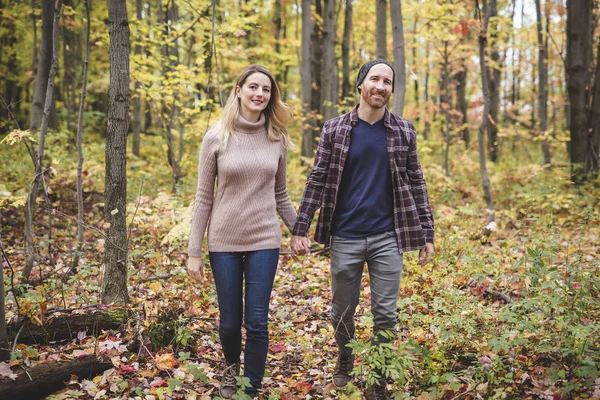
column 368, row 182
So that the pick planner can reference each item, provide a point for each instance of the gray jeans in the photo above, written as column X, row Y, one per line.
column 384, row 261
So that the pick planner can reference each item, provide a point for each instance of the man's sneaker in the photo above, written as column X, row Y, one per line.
column 228, row 382
column 376, row 392
column 343, row 368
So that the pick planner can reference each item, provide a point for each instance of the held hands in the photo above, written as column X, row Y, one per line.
column 426, row 253
column 300, row 245
column 195, row 268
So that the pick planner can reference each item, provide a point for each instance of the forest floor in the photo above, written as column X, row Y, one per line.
column 512, row 315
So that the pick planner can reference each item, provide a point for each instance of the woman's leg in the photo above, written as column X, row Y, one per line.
column 260, row 267
column 228, row 271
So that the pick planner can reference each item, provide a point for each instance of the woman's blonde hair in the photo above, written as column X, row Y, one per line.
column 277, row 113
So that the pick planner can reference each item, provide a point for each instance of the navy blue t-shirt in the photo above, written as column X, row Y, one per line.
column 365, row 199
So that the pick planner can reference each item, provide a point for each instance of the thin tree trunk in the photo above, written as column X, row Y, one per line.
column 543, row 81
column 43, row 69
column 399, row 57
column 461, row 95
column 346, row 86
column 485, row 181
column 137, row 101
column 416, row 71
column 494, row 76
column 114, row 285
column 445, row 105
column 329, row 72
column 381, row 28
column 4, row 349
column 88, row 6
column 71, row 57
column 38, row 180
column 427, row 114
column 306, row 77
column 316, row 62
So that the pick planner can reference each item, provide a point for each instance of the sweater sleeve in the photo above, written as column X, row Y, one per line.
column 207, row 172
column 285, row 207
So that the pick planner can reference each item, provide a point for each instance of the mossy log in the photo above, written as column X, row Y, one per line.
column 47, row 378
column 61, row 326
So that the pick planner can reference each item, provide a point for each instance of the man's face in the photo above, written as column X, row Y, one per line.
column 376, row 89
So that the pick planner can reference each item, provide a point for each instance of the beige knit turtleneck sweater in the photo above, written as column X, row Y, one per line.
column 251, row 190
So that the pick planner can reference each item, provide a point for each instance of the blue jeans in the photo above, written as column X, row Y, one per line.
column 229, row 270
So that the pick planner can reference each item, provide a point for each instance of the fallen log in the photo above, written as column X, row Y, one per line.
column 47, row 378
column 60, row 326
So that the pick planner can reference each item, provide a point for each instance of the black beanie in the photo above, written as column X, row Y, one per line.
column 364, row 71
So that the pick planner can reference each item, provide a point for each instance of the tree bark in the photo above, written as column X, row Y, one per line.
column 114, row 285
column 329, row 74
column 88, row 6
column 381, row 28
column 485, row 181
column 43, row 69
column 346, row 85
column 58, row 327
column 137, row 101
column 494, row 76
column 445, row 105
column 4, row 349
column 45, row 379
column 307, row 79
column 38, row 180
column 579, row 57
column 316, row 63
column 71, row 57
column 399, row 57
column 461, row 96
column 543, row 82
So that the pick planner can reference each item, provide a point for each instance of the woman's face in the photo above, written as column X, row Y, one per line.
column 254, row 95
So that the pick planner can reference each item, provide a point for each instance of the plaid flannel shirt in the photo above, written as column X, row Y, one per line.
column 413, row 219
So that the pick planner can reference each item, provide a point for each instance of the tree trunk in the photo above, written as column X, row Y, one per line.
column 494, row 87
column 329, row 74
column 592, row 164
column 11, row 81
column 381, row 28
column 461, row 102
column 485, row 181
column 426, row 94
column 307, row 79
column 445, row 105
column 4, row 349
column 137, row 101
column 416, row 72
column 346, row 85
column 43, row 69
column 114, row 285
column 316, row 62
column 399, row 57
column 579, row 58
column 71, row 57
column 44, row 379
column 543, row 81
column 38, row 180
column 88, row 6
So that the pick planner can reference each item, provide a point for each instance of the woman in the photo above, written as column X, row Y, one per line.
column 247, row 153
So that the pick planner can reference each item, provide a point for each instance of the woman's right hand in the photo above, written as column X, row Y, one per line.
column 195, row 268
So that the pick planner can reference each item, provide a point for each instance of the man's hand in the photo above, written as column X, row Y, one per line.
column 195, row 268
column 426, row 253
column 300, row 245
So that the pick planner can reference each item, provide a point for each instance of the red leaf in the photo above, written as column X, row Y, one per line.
column 278, row 348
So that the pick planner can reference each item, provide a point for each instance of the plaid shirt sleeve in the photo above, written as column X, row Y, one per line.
column 418, row 188
column 315, row 184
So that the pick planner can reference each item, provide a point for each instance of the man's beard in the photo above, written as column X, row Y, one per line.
column 376, row 102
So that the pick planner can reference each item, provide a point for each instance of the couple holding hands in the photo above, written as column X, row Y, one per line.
column 367, row 183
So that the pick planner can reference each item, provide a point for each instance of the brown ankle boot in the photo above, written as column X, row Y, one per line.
column 228, row 382
column 343, row 368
